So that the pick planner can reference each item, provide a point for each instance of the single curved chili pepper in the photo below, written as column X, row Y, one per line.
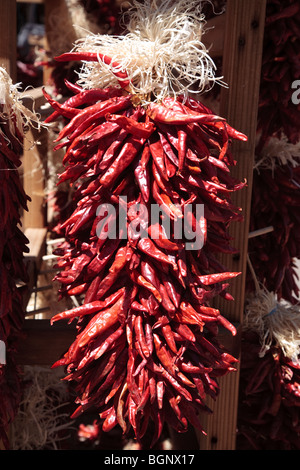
column 174, row 291
column 227, row 324
column 118, row 264
column 160, row 390
column 185, row 380
column 187, row 315
column 184, row 331
column 148, row 247
column 192, row 369
column 110, row 419
column 166, row 301
column 207, row 310
column 123, row 160
column 164, row 355
column 129, row 296
column 168, row 149
column 62, row 109
column 108, row 342
column 97, row 135
column 210, row 279
column 95, row 57
column 137, row 306
column 116, row 386
column 77, row 290
column 140, row 367
column 142, row 174
column 149, row 336
column 101, row 322
column 182, row 148
column 164, row 201
column 144, row 399
column 140, row 335
column 163, row 184
column 197, row 105
column 132, row 386
column 157, row 152
column 132, row 412
column 159, row 236
column 164, row 114
column 120, row 408
column 165, row 374
column 139, row 279
column 152, row 387
column 139, row 129
column 149, row 273
column 167, row 333
column 87, row 309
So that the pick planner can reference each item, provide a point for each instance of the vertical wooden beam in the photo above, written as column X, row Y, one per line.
column 245, row 21
column 243, row 43
column 8, row 37
column 35, row 166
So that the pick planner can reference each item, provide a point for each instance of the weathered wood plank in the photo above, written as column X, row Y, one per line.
column 44, row 344
column 243, row 42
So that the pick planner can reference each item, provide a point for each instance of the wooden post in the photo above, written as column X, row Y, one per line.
column 8, row 37
column 35, row 166
column 243, row 43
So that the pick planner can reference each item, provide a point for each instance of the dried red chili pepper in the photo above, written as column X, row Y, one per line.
column 95, row 57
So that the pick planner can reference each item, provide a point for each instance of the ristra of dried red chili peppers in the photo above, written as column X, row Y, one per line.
column 13, row 245
column 146, row 345
column 275, row 202
column 278, row 113
column 269, row 401
column 269, row 405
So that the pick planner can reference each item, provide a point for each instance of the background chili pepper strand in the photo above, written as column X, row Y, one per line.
column 277, row 114
column 269, row 407
column 275, row 198
column 275, row 202
column 13, row 245
column 147, row 346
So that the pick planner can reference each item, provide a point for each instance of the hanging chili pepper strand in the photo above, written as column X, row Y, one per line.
column 269, row 407
column 13, row 246
column 147, row 347
column 146, row 333
column 278, row 113
column 273, row 255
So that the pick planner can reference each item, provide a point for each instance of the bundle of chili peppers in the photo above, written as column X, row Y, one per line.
column 147, row 345
column 275, row 200
column 276, row 203
column 278, row 115
column 13, row 245
column 269, row 405
column 147, row 349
